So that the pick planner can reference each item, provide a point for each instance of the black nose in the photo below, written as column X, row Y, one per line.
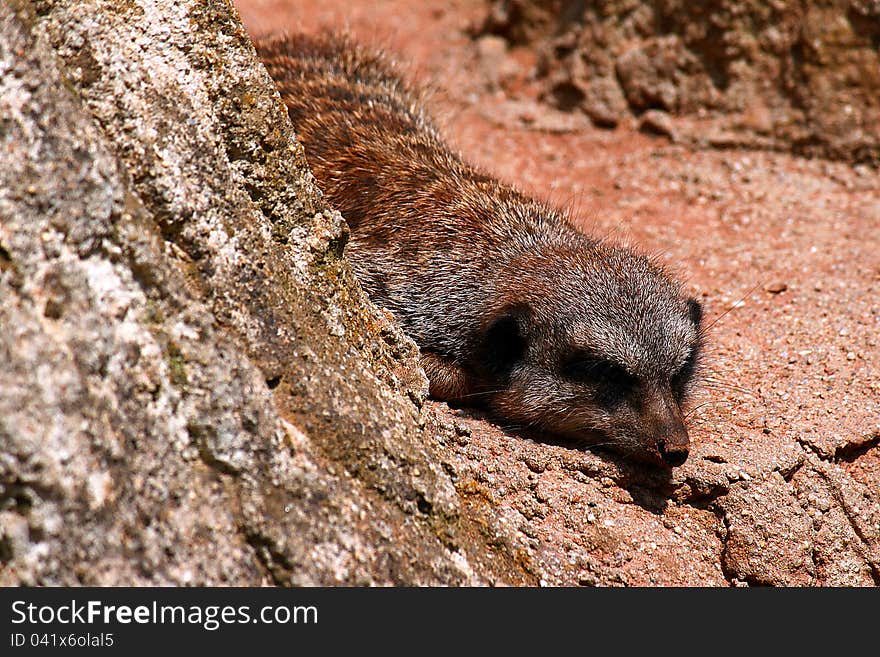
column 673, row 455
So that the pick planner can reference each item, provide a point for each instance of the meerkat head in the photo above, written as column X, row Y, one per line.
column 604, row 348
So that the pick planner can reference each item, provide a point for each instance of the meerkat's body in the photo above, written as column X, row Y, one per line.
column 510, row 304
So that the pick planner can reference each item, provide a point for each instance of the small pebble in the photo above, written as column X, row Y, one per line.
column 656, row 122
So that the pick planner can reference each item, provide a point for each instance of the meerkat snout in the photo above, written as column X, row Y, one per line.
column 664, row 426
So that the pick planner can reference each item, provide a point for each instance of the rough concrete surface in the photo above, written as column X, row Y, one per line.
column 194, row 390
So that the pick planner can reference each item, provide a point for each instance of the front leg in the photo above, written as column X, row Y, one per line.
column 448, row 381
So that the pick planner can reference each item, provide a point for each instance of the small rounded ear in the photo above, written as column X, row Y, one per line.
column 695, row 311
column 503, row 344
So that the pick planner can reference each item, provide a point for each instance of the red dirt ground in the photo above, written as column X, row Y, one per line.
column 784, row 252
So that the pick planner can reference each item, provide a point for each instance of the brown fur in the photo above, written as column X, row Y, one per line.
column 509, row 303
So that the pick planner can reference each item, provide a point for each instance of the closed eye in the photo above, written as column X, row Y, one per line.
column 597, row 371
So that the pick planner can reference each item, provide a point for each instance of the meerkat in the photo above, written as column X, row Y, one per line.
column 511, row 306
